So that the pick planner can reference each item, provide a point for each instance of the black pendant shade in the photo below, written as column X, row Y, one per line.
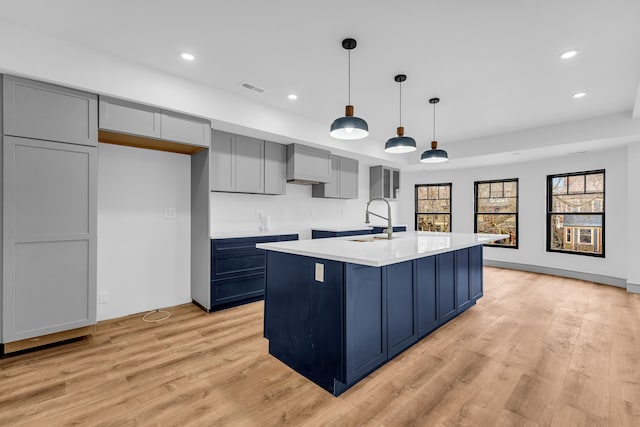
column 434, row 155
column 349, row 126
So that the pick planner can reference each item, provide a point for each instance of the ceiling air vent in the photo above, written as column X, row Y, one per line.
column 252, row 87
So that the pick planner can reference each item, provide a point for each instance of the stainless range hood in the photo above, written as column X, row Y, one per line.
column 307, row 165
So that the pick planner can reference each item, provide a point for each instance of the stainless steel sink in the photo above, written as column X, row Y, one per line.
column 371, row 239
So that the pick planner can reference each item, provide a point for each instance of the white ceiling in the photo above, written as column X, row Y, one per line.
column 495, row 63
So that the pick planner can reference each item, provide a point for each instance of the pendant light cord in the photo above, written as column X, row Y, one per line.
column 349, row 78
column 400, row 103
column 434, row 121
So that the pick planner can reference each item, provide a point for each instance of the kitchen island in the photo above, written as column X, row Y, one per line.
column 337, row 309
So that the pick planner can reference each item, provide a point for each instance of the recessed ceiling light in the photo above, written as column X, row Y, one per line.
column 569, row 54
column 187, row 56
column 579, row 94
column 292, row 96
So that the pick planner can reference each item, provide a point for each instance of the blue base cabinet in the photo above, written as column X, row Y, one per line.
column 238, row 270
column 339, row 330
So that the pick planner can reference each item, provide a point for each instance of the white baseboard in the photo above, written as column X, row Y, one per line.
column 597, row 278
column 633, row 287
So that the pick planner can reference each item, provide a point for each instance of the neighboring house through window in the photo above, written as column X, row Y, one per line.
column 575, row 210
column 496, row 210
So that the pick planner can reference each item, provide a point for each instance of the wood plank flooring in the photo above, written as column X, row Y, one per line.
column 535, row 350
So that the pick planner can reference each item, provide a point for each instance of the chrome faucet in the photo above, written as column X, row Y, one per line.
column 388, row 218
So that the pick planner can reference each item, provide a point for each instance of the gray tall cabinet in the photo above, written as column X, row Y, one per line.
column 49, row 212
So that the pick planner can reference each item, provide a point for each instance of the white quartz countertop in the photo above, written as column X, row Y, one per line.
column 373, row 252
column 250, row 233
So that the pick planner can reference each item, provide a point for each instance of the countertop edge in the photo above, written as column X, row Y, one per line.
column 372, row 263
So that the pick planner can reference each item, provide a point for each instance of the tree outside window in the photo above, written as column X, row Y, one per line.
column 575, row 213
column 496, row 210
column 433, row 207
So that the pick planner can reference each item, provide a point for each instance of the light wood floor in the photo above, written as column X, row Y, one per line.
column 536, row 350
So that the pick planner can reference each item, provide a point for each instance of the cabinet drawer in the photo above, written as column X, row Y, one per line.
column 239, row 244
column 238, row 263
column 288, row 237
column 237, row 288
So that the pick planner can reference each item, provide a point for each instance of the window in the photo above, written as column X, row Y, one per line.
column 433, row 207
column 575, row 208
column 585, row 236
column 496, row 210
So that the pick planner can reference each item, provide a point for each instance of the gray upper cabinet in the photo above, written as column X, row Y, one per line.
column 344, row 180
column 384, row 182
column 43, row 111
column 116, row 115
column 187, row 129
column 249, row 165
column 241, row 164
column 124, row 116
column 222, row 160
column 275, row 168
column 348, row 178
column 307, row 165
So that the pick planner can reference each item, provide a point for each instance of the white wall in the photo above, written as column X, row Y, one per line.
column 633, row 231
column 532, row 209
column 143, row 258
column 296, row 211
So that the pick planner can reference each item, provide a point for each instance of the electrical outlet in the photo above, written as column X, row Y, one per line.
column 169, row 213
column 319, row 272
column 104, row 297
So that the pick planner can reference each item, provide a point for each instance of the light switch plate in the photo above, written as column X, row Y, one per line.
column 319, row 272
column 169, row 213
column 104, row 297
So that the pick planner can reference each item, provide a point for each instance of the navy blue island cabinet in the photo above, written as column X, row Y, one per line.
column 238, row 269
column 335, row 322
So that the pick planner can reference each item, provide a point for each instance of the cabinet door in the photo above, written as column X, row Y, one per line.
column 401, row 307
column 222, row 160
column 427, row 295
column 365, row 320
column 375, row 181
column 475, row 272
column 48, row 112
column 127, row 117
column 348, row 178
column 395, row 183
column 308, row 164
column 249, row 165
column 386, row 183
column 332, row 188
column 462, row 279
column 447, row 304
column 186, row 129
column 49, row 244
column 275, row 168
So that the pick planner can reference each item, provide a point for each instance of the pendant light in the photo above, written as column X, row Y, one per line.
column 349, row 126
column 434, row 155
column 400, row 143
